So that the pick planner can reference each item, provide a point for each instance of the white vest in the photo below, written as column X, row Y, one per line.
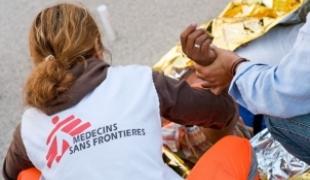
column 114, row 133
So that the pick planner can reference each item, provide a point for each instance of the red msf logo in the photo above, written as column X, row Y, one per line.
column 60, row 137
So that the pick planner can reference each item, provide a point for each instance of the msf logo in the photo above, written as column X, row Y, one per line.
column 60, row 137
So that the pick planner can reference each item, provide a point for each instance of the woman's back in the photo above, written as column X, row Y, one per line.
column 89, row 121
column 112, row 133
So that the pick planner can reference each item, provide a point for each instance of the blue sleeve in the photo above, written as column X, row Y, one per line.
column 281, row 91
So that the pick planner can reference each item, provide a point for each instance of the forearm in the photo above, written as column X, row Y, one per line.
column 189, row 106
column 282, row 90
column 272, row 90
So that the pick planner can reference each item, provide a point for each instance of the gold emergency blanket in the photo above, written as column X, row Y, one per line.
column 241, row 22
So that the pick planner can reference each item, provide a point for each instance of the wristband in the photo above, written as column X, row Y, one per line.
column 236, row 64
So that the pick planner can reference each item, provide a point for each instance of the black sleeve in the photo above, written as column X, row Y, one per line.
column 16, row 158
column 181, row 103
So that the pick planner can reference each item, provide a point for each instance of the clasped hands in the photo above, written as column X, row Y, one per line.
column 213, row 65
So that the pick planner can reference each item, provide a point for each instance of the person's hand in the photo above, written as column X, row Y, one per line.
column 218, row 75
column 213, row 65
column 196, row 45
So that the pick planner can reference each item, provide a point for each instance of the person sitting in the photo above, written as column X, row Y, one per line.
column 280, row 91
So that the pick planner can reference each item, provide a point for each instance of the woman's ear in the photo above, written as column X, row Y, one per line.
column 99, row 48
column 99, row 55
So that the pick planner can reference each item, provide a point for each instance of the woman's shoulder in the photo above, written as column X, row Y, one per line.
column 33, row 116
column 30, row 112
column 129, row 72
column 130, row 68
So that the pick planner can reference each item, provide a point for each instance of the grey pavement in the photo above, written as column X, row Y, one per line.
column 146, row 30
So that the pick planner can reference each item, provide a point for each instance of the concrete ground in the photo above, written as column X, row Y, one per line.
column 146, row 29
